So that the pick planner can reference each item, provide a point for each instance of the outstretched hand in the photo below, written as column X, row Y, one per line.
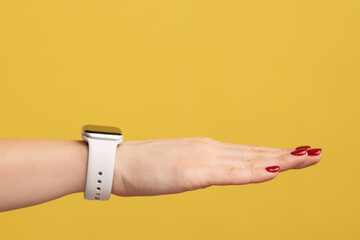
column 174, row 165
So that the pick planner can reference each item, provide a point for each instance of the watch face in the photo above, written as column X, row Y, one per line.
column 101, row 130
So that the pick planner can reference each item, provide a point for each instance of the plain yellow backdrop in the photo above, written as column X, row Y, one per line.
column 273, row 73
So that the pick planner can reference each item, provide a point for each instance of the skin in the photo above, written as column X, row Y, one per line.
column 33, row 171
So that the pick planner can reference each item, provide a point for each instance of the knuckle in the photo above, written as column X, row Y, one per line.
column 231, row 174
column 189, row 182
column 248, row 163
column 201, row 147
column 288, row 158
column 287, row 150
column 255, row 148
column 204, row 139
column 193, row 177
column 230, row 171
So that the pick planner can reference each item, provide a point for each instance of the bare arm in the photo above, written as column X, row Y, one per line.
column 34, row 171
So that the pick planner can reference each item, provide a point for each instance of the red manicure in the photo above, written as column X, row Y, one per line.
column 299, row 152
column 303, row 147
column 273, row 169
column 314, row 152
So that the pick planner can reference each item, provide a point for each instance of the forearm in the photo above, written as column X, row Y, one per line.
column 33, row 171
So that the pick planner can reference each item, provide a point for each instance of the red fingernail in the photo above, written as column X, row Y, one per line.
column 273, row 169
column 299, row 152
column 303, row 147
column 314, row 152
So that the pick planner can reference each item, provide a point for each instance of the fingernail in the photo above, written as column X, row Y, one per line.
column 299, row 152
column 273, row 169
column 303, row 147
column 314, row 152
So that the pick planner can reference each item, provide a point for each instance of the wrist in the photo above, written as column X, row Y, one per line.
column 78, row 167
column 123, row 154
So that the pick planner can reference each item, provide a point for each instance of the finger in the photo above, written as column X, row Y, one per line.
column 231, row 171
column 255, row 148
column 236, row 152
column 237, row 175
column 314, row 156
column 285, row 161
column 245, row 159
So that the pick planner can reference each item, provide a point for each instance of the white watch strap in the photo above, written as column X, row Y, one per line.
column 100, row 169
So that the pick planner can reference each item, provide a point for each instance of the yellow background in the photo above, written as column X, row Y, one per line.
column 274, row 73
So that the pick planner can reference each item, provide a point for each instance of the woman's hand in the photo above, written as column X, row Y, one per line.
column 174, row 165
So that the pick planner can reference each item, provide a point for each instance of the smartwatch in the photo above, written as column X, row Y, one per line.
column 102, row 142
